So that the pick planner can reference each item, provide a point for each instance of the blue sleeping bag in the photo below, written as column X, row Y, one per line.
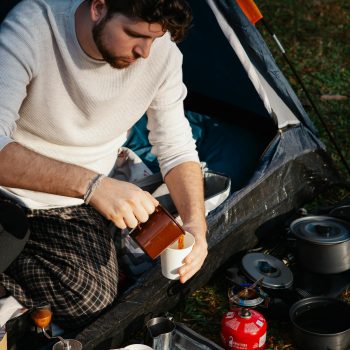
column 225, row 147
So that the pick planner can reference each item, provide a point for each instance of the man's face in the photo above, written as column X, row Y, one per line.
column 122, row 40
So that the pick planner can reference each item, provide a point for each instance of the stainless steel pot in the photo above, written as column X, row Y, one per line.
column 341, row 212
column 322, row 243
column 321, row 323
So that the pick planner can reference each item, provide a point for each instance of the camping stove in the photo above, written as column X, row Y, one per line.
column 243, row 327
column 276, row 281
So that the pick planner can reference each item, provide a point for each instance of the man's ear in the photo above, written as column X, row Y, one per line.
column 98, row 10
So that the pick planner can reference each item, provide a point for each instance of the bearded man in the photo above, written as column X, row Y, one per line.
column 75, row 76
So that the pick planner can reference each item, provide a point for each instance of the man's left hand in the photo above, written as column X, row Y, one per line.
column 194, row 261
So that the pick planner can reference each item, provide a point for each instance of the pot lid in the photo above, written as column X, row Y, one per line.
column 342, row 212
column 324, row 230
column 275, row 274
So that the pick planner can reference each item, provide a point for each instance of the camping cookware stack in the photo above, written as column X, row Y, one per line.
column 322, row 248
column 322, row 272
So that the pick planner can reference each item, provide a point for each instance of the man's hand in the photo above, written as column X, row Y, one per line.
column 185, row 183
column 194, row 261
column 123, row 203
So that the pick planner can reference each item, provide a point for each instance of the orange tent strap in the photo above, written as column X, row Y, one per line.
column 251, row 10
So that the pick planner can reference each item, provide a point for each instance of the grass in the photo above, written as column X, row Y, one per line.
column 203, row 309
column 316, row 36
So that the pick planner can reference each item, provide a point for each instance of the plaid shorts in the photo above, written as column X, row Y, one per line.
column 69, row 262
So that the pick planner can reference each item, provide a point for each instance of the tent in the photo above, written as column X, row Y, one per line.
column 249, row 125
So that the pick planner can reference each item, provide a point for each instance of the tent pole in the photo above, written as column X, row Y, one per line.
column 284, row 54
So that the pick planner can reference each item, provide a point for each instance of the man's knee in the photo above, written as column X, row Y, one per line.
column 80, row 305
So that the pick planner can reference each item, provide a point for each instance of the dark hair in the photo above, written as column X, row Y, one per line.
column 174, row 15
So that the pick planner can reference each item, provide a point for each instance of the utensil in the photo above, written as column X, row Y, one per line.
column 42, row 316
column 67, row 344
column 156, row 234
column 172, row 257
column 321, row 323
column 162, row 332
column 322, row 244
column 270, row 271
column 341, row 212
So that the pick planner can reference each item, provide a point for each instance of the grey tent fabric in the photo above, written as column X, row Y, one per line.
column 261, row 57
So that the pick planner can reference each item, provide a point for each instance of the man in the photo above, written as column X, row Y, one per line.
column 74, row 77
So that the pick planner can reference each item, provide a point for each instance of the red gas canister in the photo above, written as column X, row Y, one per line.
column 243, row 329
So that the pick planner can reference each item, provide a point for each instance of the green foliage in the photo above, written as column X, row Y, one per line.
column 203, row 309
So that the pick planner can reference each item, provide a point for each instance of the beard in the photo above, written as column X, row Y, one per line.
column 117, row 62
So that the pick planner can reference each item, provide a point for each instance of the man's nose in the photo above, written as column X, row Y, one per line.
column 143, row 48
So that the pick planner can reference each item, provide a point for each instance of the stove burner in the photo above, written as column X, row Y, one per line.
column 246, row 295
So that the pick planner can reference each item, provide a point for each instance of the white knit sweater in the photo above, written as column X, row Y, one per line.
column 59, row 102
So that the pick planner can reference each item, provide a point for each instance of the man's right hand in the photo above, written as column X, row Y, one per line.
column 123, row 203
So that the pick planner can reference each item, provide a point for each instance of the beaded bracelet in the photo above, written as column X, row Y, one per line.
column 94, row 183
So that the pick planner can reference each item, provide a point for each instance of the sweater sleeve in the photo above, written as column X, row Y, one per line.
column 17, row 67
column 170, row 132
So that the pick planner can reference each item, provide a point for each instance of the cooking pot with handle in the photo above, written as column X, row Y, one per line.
column 322, row 244
column 321, row 323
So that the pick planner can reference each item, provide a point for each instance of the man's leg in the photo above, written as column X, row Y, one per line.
column 69, row 262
